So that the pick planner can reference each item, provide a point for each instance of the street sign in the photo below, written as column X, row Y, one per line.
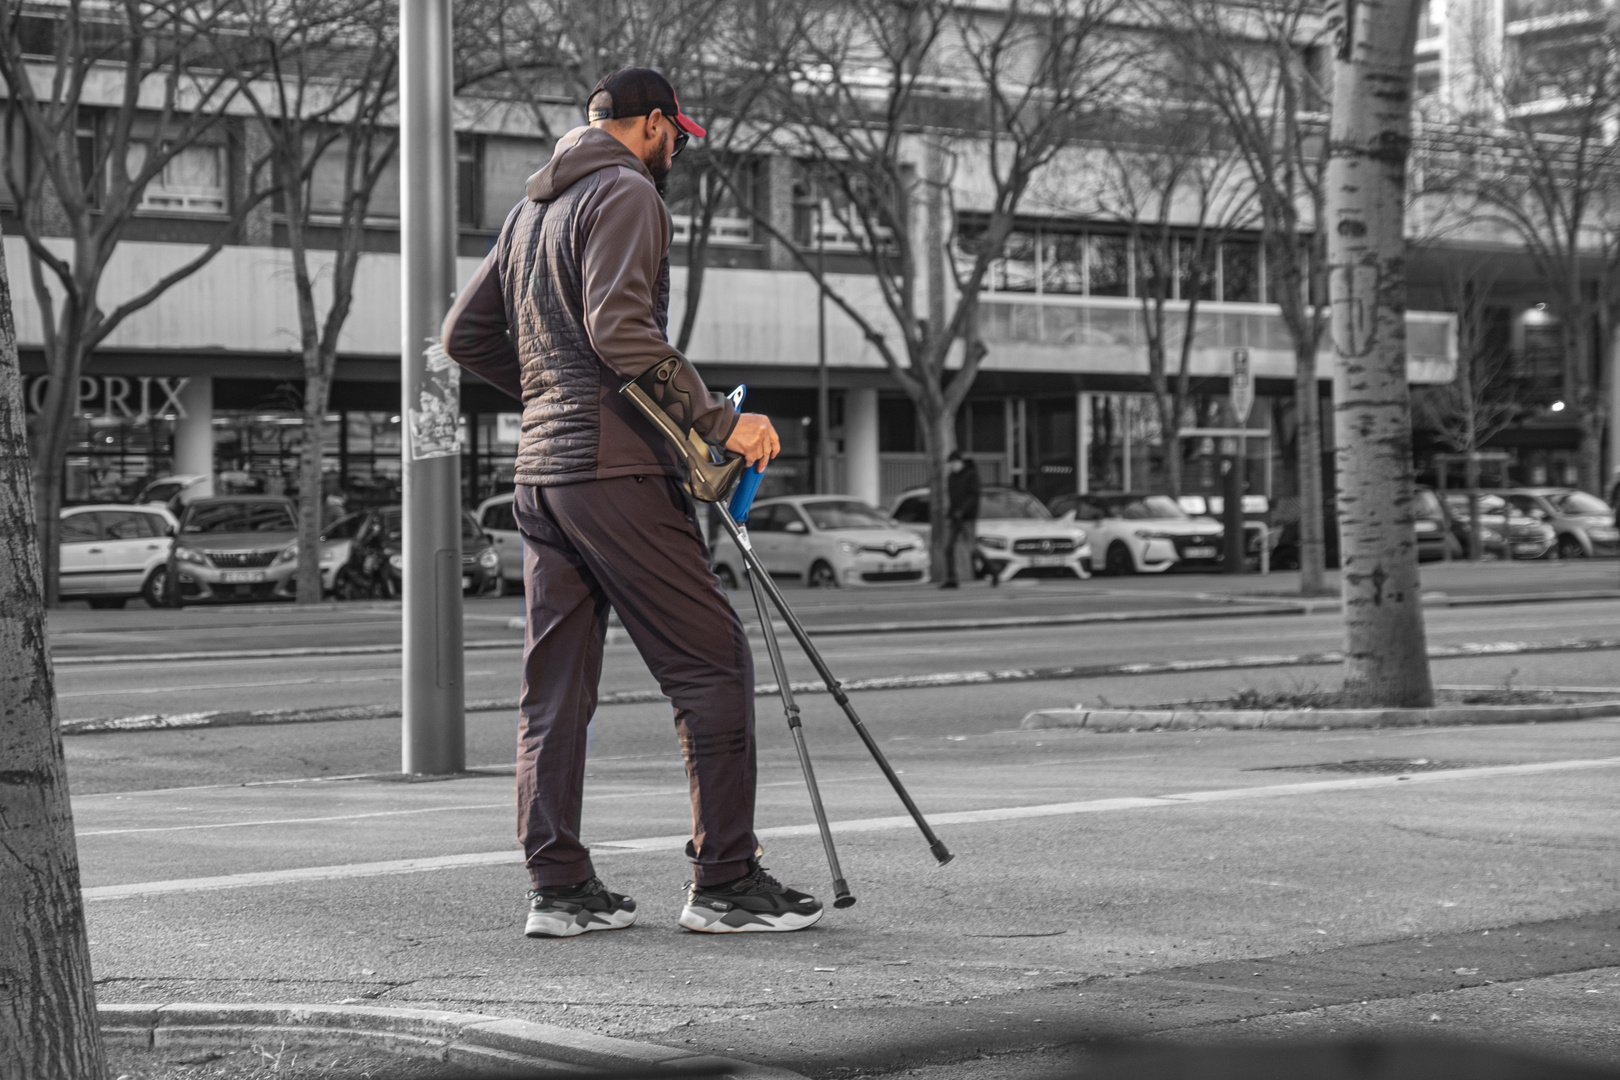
column 1242, row 387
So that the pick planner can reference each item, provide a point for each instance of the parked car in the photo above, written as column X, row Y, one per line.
column 237, row 547
column 1139, row 532
column 174, row 492
column 1584, row 523
column 495, row 518
column 1432, row 523
column 1256, row 519
column 1016, row 535
column 1527, row 537
column 113, row 552
column 376, row 559
column 826, row 541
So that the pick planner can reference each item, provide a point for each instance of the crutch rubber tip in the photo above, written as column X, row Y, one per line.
column 844, row 901
column 940, row 853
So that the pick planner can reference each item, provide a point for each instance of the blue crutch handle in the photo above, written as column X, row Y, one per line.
column 742, row 496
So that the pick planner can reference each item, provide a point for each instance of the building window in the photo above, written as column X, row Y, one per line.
column 87, row 139
column 1240, row 271
column 732, row 205
column 1108, row 265
column 469, row 176
column 191, row 181
column 329, row 188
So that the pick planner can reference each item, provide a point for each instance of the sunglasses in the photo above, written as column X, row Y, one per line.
column 681, row 138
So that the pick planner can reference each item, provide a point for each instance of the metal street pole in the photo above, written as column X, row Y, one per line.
column 432, row 725
column 823, row 434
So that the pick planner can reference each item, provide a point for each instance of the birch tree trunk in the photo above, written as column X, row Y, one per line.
column 1386, row 657
column 48, row 1027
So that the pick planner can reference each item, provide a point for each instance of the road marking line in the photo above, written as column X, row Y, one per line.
column 293, row 821
column 884, row 824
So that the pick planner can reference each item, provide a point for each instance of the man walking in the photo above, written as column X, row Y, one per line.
column 571, row 303
column 962, row 513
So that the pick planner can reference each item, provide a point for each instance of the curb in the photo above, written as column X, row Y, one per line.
column 1310, row 719
column 245, row 718
column 470, row 1039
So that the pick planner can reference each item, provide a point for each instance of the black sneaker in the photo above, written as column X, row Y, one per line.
column 754, row 903
column 574, row 910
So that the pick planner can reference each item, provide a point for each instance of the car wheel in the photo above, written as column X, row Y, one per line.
column 106, row 603
column 728, row 579
column 1119, row 559
column 822, row 576
column 1570, row 548
column 156, row 589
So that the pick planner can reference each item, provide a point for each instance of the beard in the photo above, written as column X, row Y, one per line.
column 657, row 162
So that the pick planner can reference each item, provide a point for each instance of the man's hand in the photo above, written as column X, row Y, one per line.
column 755, row 439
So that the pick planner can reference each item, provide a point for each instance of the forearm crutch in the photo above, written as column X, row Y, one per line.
column 740, row 502
column 760, row 580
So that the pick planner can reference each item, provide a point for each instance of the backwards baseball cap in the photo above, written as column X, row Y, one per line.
column 637, row 92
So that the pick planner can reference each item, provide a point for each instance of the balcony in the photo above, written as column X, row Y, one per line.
column 1104, row 333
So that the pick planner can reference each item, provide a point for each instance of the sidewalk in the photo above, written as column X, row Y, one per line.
column 1155, row 866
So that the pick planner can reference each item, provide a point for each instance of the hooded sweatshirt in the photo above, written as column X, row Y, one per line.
column 572, row 303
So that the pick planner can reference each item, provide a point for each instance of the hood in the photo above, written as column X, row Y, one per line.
column 1024, row 528
column 579, row 153
column 876, row 538
column 256, row 541
column 1171, row 526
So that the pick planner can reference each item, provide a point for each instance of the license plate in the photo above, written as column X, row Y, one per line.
column 895, row 567
column 1198, row 553
column 466, row 581
column 241, row 577
column 1046, row 560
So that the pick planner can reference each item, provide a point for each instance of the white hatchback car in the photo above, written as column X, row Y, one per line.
column 1142, row 533
column 825, row 541
column 113, row 552
column 1016, row 535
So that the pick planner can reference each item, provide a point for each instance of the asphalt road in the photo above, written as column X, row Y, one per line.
column 136, row 686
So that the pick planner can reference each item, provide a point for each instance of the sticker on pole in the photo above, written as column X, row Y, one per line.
column 434, row 421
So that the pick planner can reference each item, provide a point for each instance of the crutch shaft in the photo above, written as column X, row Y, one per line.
column 758, row 573
column 842, row 897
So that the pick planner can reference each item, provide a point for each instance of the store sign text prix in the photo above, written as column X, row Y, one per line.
column 116, row 397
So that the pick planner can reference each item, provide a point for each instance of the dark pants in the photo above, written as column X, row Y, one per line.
column 633, row 543
column 956, row 531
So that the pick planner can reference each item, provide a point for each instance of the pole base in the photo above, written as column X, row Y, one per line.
column 938, row 848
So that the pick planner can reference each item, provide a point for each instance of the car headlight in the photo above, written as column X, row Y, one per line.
column 396, row 561
column 190, row 555
column 489, row 559
column 1490, row 536
column 994, row 543
column 1079, row 537
column 849, row 548
column 288, row 554
column 1426, row 526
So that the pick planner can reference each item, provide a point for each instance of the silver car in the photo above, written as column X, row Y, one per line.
column 242, row 547
column 1584, row 523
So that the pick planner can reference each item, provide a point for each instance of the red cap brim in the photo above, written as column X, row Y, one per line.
column 688, row 125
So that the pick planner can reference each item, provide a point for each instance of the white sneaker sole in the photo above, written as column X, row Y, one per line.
column 706, row 920
column 558, row 925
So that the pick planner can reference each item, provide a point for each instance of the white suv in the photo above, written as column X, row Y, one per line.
column 495, row 517
column 1016, row 535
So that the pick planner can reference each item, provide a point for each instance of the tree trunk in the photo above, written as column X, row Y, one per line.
column 311, row 501
column 48, row 1028
column 1386, row 655
column 1308, row 412
column 59, row 413
column 939, row 439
